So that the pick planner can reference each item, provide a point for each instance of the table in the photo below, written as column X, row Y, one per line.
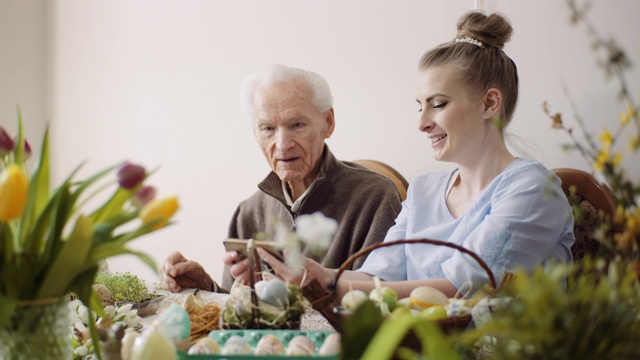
column 311, row 320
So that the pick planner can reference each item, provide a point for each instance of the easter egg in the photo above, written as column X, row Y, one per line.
column 236, row 345
column 301, row 346
column 127, row 344
column 273, row 292
column 434, row 313
column 331, row 345
column 269, row 345
column 205, row 345
column 423, row 297
column 153, row 344
column 175, row 322
column 385, row 295
column 353, row 298
column 458, row 307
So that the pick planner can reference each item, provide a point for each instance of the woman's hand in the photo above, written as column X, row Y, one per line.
column 238, row 269
column 312, row 270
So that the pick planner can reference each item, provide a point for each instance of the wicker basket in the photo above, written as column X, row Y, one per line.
column 256, row 318
column 325, row 302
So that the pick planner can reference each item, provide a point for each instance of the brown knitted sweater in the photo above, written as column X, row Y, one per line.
column 364, row 203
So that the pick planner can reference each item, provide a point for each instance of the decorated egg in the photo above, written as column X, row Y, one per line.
column 269, row 345
column 175, row 322
column 424, row 296
column 153, row 344
column 273, row 292
column 457, row 307
column 353, row 298
column 236, row 345
column 331, row 345
column 301, row 346
column 205, row 345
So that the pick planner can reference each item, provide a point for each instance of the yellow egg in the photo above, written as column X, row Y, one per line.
column 423, row 297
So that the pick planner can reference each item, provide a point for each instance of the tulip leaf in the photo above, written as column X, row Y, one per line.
column 113, row 207
column 6, row 243
column 69, row 260
column 38, row 194
column 104, row 230
column 109, row 249
column 9, row 304
column 19, row 150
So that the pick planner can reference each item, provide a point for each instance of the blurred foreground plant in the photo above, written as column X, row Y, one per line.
column 49, row 244
column 620, row 234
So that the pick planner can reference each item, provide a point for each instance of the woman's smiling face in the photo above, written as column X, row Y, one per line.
column 450, row 114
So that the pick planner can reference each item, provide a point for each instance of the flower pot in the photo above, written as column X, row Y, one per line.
column 38, row 329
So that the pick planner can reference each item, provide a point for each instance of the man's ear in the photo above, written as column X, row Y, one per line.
column 330, row 122
column 492, row 103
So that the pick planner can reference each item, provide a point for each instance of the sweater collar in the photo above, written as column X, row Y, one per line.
column 273, row 186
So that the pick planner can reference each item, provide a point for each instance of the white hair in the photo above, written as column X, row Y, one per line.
column 320, row 92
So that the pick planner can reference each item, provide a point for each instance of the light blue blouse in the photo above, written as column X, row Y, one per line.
column 522, row 219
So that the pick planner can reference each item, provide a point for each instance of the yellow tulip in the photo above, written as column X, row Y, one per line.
column 14, row 187
column 159, row 210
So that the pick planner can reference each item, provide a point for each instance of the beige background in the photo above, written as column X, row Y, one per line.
column 157, row 82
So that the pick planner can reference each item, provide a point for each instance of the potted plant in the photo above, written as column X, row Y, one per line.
column 51, row 245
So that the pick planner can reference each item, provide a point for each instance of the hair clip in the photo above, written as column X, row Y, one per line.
column 470, row 41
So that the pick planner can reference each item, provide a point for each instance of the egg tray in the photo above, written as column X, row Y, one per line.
column 253, row 336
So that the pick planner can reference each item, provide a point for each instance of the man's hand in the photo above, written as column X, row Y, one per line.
column 178, row 272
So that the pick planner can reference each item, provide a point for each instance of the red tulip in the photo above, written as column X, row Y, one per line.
column 130, row 175
column 6, row 143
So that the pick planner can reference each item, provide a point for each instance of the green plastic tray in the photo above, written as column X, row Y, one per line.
column 253, row 336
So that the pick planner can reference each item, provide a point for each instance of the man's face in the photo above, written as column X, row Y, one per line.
column 291, row 131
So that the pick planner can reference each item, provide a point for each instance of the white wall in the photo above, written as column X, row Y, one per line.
column 22, row 68
column 157, row 82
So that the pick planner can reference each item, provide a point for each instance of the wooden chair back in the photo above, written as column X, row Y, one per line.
column 592, row 202
column 386, row 170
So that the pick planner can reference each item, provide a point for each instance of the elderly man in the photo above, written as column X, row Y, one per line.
column 292, row 114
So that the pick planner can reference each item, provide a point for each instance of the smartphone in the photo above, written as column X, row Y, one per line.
column 240, row 246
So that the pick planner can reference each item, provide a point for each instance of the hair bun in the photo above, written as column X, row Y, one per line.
column 492, row 30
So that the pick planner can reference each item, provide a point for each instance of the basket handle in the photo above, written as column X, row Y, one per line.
column 370, row 248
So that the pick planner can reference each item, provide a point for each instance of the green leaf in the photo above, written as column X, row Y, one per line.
column 38, row 196
column 7, row 306
column 110, row 249
column 19, row 150
column 386, row 340
column 104, row 230
column 359, row 328
column 113, row 207
column 69, row 260
column 434, row 344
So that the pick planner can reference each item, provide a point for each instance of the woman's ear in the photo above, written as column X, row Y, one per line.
column 492, row 103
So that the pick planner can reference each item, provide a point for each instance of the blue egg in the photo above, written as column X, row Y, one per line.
column 175, row 322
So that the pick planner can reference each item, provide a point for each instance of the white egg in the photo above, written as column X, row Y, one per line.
column 153, row 344
column 353, row 298
column 331, row 345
